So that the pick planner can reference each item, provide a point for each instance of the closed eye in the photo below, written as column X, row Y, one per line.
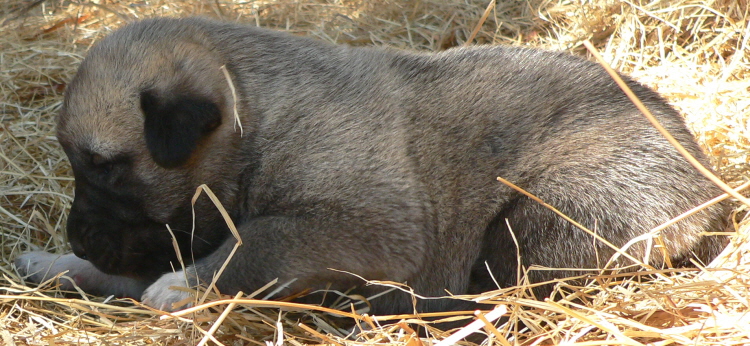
column 105, row 166
column 101, row 164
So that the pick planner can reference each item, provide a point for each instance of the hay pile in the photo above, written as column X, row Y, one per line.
column 695, row 52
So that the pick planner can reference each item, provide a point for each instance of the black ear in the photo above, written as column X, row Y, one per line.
column 173, row 127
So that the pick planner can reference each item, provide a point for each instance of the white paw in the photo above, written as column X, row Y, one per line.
column 160, row 295
column 39, row 266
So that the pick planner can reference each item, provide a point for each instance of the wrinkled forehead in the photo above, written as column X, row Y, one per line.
column 99, row 117
column 101, row 106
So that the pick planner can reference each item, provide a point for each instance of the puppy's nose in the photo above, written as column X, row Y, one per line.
column 79, row 251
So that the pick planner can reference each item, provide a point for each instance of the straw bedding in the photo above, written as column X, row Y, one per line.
column 694, row 52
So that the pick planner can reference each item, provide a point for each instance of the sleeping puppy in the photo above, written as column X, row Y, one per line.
column 375, row 162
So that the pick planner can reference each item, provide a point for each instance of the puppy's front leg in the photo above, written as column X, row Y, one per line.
column 161, row 295
column 38, row 266
column 304, row 249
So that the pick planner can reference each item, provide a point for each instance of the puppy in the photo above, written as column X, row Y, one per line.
column 370, row 161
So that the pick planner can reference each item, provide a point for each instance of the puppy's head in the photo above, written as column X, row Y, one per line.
column 148, row 118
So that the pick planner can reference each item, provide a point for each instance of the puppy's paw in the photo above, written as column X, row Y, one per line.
column 39, row 266
column 160, row 295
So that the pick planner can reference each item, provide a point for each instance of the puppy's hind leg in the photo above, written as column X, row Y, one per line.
column 39, row 266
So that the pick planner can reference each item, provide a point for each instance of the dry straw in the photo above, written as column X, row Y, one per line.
column 694, row 52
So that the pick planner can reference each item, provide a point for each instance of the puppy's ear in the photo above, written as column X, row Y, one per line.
column 174, row 126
